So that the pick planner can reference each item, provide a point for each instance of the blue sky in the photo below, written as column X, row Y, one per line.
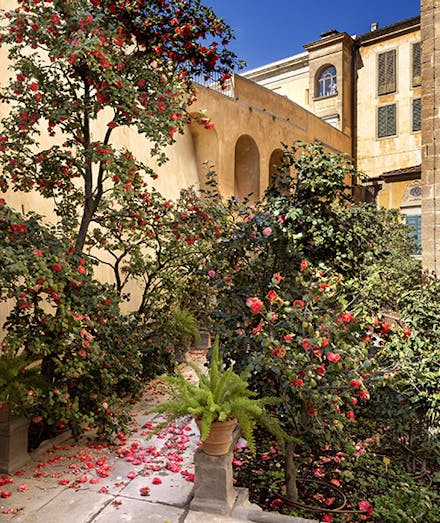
column 269, row 30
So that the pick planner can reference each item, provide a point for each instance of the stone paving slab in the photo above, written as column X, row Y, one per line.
column 140, row 512
column 69, row 506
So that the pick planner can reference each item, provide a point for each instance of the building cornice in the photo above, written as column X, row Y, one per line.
column 276, row 68
column 390, row 31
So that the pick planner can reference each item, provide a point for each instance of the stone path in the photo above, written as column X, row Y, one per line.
column 140, row 480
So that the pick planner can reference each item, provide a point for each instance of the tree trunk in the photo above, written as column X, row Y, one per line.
column 291, row 472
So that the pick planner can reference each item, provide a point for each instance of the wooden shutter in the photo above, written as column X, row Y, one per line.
column 416, row 65
column 417, row 114
column 387, row 72
column 414, row 221
column 386, row 120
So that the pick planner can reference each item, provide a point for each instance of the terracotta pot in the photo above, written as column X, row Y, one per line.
column 4, row 412
column 219, row 439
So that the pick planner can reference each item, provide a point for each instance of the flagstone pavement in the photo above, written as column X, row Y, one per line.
column 142, row 479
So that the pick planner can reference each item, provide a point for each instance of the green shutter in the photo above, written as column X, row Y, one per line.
column 416, row 65
column 417, row 114
column 386, row 72
column 414, row 221
column 386, row 120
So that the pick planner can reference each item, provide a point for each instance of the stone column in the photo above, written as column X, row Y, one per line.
column 430, row 36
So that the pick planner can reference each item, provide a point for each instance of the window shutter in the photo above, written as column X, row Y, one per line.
column 417, row 114
column 386, row 121
column 387, row 72
column 414, row 221
column 416, row 65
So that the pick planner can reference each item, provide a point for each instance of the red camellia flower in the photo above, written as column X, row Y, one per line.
column 56, row 267
column 334, row 358
column 5, row 494
column 298, row 303
column 303, row 265
column 406, row 333
column 350, row 414
column 298, row 382
column 255, row 305
column 279, row 352
column 306, row 345
column 157, row 481
column 345, row 317
column 356, row 384
column 272, row 295
column 267, row 231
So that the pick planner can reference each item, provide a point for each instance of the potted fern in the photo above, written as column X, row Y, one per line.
column 219, row 401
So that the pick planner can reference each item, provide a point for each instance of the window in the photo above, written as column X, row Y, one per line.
column 416, row 65
column 386, row 121
column 327, row 82
column 417, row 114
column 386, row 77
column 414, row 222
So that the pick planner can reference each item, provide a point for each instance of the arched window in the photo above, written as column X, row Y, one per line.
column 327, row 85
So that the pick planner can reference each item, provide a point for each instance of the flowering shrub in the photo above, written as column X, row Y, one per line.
column 306, row 347
column 66, row 320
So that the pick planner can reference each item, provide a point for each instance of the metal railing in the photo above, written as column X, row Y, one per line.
column 213, row 82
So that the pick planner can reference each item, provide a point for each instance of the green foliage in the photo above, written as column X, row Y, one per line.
column 20, row 380
column 101, row 65
column 219, row 396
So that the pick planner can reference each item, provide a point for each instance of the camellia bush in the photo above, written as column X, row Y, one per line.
column 82, row 69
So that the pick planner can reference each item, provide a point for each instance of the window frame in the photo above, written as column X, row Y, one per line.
column 319, row 80
column 417, row 99
column 383, row 91
column 392, row 104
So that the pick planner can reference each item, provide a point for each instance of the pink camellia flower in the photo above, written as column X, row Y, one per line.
column 334, row 358
column 272, row 295
column 267, row 231
column 254, row 304
column 211, row 273
column 157, row 481
column 144, row 491
column 327, row 518
column 365, row 506
column 277, row 277
column 38, row 252
column 131, row 475
column 303, row 265
column 23, row 488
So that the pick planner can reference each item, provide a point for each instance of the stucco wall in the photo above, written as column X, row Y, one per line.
column 378, row 155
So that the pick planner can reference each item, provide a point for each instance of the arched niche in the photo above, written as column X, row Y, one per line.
column 206, row 149
column 275, row 163
column 247, row 168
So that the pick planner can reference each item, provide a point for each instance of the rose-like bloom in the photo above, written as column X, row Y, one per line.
column 364, row 394
column 299, row 304
column 350, row 414
column 386, row 327
column 279, row 352
column 334, row 358
column 56, row 267
column 406, row 333
column 157, row 481
column 272, row 295
column 277, row 276
column 365, row 506
column 254, row 304
column 356, row 384
column 303, row 265
column 298, row 382
column 38, row 252
column 267, row 231
column 306, row 345
column 345, row 317
column 211, row 273
column 288, row 337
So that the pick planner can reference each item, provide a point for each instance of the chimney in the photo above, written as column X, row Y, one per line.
column 374, row 26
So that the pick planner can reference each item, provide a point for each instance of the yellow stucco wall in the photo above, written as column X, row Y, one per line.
column 378, row 155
